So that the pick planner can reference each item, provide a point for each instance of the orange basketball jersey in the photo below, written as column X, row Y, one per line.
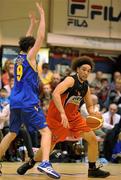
column 71, row 100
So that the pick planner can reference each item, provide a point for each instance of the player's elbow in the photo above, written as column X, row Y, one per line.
column 55, row 94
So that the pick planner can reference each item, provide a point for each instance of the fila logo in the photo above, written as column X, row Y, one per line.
column 78, row 8
column 81, row 9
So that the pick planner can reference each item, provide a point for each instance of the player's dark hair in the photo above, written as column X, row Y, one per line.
column 81, row 61
column 25, row 43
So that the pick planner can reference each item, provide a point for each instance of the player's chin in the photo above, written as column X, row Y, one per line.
column 84, row 78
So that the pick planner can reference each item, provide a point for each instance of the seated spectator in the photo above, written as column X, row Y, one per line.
column 4, row 100
column 103, row 94
column 92, row 89
column 96, row 83
column 10, row 85
column 0, row 80
column 110, row 140
column 111, row 117
column 67, row 72
column 46, row 96
column 8, row 71
column 55, row 80
column 4, row 117
column 96, row 106
column 115, row 95
column 116, row 152
column 46, row 74
column 116, row 75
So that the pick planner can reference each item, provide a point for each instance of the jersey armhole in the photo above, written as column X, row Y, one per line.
column 32, row 66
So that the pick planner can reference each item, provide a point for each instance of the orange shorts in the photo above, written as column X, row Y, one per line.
column 76, row 121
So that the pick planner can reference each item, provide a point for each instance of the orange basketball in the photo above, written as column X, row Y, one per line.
column 94, row 122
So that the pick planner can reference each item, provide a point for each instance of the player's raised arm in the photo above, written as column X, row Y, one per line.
column 40, row 34
column 32, row 24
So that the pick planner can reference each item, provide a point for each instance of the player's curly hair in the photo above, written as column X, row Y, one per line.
column 25, row 43
column 81, row 61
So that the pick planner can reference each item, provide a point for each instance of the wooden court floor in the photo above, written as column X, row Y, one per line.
column 68, row 171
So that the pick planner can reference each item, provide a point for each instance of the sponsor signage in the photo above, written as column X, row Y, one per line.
column 96, row 18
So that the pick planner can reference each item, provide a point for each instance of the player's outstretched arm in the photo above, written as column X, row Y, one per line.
column 40, row 34
column 33, row 21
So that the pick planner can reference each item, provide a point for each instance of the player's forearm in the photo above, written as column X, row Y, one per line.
column 41, row 28
column 58, row 102
column 40, row 35
column 30, row 30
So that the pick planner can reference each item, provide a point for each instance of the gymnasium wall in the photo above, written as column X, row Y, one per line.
column 14, row 19
column 62, row 18
column 92, row 18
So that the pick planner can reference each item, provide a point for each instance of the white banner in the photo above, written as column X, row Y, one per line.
column 92, row 18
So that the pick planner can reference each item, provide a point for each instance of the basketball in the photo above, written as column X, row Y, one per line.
column 94, row 122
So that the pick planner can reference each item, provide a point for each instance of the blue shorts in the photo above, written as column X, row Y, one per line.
column 33, row 118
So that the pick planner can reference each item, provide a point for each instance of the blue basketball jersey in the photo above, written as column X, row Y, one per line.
column 25, row 92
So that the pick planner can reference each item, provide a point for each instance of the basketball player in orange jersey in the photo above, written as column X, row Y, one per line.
column 24, row 100
column 64, row 119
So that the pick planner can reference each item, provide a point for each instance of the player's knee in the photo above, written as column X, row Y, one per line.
column 45, row 130
column 91, row 138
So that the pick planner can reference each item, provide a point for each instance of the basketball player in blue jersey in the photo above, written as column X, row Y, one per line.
column 24, row 100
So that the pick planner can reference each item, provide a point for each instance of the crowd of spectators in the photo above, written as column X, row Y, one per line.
column 106, row 96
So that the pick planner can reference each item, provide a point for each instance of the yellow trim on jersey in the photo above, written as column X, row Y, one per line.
column 33, row 67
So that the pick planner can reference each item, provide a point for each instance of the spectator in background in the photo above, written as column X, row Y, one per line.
column 103, row 94
column 116, row 152
column 46, row 96
column 4, row 117
column 46, row 74
column 8, row 71
column 10, row 85
column 67, row 72
column 115, row 95
column 111, row 140
column 116, row 75
column 96, row 83
column 96, row 106
column 4, row 100
column 92, row 89
column 0, row 80
column 110, row 118
column 56, row 78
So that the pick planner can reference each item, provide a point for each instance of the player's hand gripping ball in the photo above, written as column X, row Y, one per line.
column 94, row 121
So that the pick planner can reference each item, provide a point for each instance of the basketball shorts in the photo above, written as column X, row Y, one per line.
column 33, row 118
column 59, row 133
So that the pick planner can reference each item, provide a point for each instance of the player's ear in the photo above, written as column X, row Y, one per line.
column 77, row 70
